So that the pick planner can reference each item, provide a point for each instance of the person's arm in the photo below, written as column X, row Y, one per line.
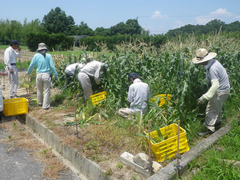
column 213, row 89
column 7, row 54
column 52, row 66
column 18, row 54
column 32, row 64
column 97, row 73
column 130, row 94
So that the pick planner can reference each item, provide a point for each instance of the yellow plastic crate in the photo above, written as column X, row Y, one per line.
column 15, row 106
column 98, row 98
column 167, row 148
column 162, row 100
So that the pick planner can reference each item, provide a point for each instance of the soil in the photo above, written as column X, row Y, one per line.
column 92, row 141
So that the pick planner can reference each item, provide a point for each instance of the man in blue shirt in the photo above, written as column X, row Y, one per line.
column 44, row 63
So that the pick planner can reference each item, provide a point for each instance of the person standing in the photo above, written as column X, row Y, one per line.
column 10, row 56
column 138, row 95
column 217, row 80
column 44, row 63
column 91, row 69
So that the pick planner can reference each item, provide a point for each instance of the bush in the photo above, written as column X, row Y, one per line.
column 58, row 42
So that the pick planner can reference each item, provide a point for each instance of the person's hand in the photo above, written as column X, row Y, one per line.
column 202, row 86
column 57, row 77
column 19, row 49
column 11, row 71
column 201, row 100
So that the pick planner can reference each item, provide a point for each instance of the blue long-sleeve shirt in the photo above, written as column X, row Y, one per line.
column 43, row 64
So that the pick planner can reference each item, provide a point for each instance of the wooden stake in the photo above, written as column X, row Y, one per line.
column 149, row 150
column 75, row 115
column 178, row 164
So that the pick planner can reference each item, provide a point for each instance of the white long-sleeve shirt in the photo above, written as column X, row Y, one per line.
column 73, row 67
column 10, row 56
column 138, row 95
column 93, row 69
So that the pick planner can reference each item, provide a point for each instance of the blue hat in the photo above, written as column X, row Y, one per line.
column 14, row 42
column 133, row 76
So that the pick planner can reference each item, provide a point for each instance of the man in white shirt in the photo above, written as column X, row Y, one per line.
column 91, row 69
column 70, row 70
column 217, row 79
column 138, row 95
column 10, row 56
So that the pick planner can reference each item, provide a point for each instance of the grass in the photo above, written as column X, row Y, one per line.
column 219, row 161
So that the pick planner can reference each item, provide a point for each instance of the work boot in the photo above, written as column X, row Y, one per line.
column 205, row 133
column 218, row 125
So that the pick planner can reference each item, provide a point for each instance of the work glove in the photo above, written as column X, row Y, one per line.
column 201, row 100
column 57, row 78
column 202, row 86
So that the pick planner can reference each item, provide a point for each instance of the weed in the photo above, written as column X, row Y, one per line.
column 108, row 173
column 134, row 178
column 9, row 137
column 119, row 165
column 14, row 125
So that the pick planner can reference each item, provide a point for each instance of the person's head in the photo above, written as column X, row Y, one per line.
column 132, row 77
column 14, row 44
column 104, row 67
column 42, row 48
column 203, row 56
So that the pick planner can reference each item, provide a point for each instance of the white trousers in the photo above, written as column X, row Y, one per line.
column 13, row 80
column 43, row 81
column 214, row 109
column 85, row 82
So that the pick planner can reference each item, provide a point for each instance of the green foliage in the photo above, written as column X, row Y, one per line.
column 53, row 41
column 56, row 22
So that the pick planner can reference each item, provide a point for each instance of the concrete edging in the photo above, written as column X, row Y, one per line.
column 169, row 172
column 92, row 170
column 88, row 168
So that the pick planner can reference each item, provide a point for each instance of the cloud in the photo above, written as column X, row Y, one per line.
column 157, row 15
column 218, row 14
column 178, row 24
column 237, row 17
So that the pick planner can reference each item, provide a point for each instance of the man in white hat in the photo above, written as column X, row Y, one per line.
column 217, row 79
column 10, row 56
column 91, row 69
column 44, row 63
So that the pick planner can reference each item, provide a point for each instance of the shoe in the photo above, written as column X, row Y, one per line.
column 11, row 97
column 45, row 108
column 205, row 133
column 40, row 105
column 218, row 125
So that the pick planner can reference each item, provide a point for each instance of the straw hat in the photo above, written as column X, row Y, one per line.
column 42, row 46
column 202, row 55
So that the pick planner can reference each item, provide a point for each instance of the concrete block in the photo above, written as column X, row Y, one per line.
column 127, row 159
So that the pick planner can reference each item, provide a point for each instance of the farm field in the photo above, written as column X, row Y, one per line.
column 167, row 70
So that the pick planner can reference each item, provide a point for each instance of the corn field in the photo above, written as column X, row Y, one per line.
column 167, row 70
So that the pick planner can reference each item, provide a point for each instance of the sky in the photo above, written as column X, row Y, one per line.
column 157, row 16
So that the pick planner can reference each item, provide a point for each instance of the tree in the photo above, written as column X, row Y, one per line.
column 100, row 31
column 120, row 28
column 83, row 29
column 56, row 21
column 132, row 27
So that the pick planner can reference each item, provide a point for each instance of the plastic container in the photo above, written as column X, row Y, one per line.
column 164, row 98
column 98, row 98
column 15, row 106
column 167, row 148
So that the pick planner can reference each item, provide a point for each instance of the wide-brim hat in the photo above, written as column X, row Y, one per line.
column 42, row 46
column 202, row 55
